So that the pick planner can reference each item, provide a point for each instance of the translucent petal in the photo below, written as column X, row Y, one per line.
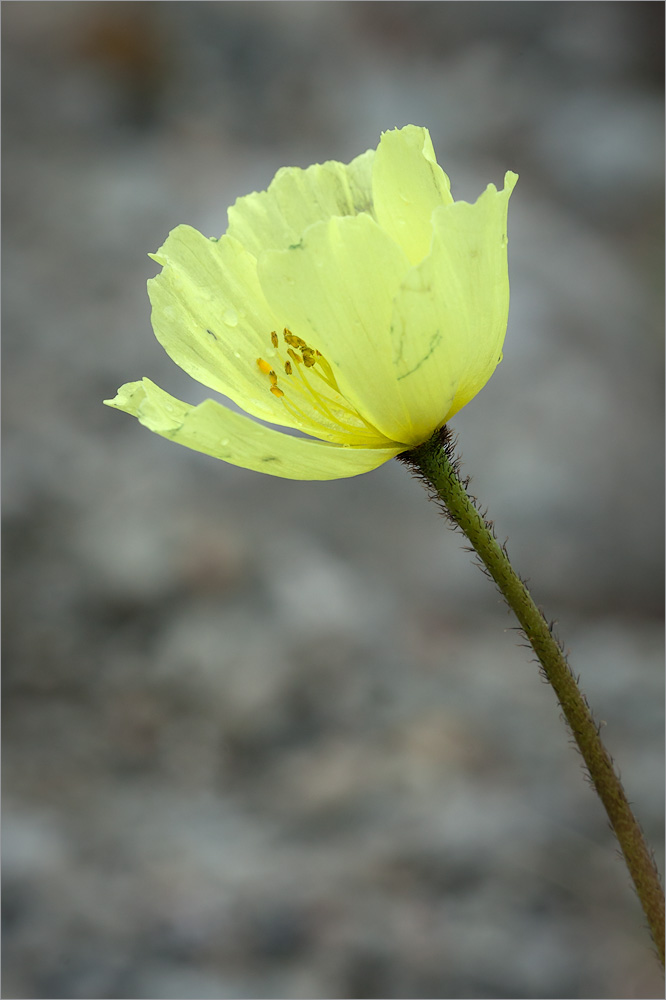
column 396, row 298
column 222, row 433
column 211, row 317
column 337, row 287
column 451, row 312
column 295, row 199
column 407, row 185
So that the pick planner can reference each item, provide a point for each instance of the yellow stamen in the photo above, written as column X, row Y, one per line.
column 309, row 424
column 320, row 402
column 326, row 373
column 332, row 411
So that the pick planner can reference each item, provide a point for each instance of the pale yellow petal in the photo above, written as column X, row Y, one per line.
column 295, row 199
column 407, row 185
column 451, row 312
column 210, row 315
column 217, row 431
column 336, row 288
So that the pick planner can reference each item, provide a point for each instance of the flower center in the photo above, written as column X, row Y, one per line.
column 310, row 379
column 300, row 354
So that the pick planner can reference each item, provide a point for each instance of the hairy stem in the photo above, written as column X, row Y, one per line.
column 435, row 462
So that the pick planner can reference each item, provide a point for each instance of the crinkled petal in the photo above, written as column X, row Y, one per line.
column 295, row 199
column 407, row 185
column 217, row 431
column 451, row 312
column 336, row 287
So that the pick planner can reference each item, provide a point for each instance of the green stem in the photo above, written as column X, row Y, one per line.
column 435, row 462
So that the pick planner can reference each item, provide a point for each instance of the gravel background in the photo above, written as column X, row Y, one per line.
column 270, row 739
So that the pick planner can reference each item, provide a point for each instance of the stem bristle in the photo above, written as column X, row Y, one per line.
column 436, row 463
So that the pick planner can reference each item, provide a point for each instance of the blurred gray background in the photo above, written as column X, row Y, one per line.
column 270, row 739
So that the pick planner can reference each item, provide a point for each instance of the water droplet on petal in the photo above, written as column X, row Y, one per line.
column 230, row 317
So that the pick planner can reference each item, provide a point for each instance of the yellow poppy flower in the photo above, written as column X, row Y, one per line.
column 355, row 303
